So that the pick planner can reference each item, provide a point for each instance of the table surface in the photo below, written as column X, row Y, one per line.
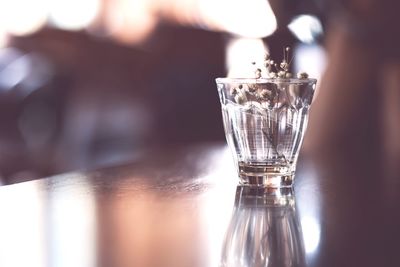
column 182, row 207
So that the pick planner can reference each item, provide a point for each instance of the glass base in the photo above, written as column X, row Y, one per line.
column 264, row 175
column 251, row 196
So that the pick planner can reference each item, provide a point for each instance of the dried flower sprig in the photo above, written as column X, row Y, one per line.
column 302, row 75
column 246, row 92
column 274, row 70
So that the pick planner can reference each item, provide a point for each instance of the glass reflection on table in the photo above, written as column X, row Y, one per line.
column 264, row 230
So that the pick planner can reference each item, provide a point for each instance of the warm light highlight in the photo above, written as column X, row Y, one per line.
column 252, row 18
column 73, row 14
column 22, row 17
column 130, row 21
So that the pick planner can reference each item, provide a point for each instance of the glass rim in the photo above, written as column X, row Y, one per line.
column 264, row 80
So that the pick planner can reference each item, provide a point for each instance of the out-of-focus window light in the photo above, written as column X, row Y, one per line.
column 306, row 28
column 73, row 14
column 21, row 17
column 252, row 18
column 241, row 52
column 133, row 20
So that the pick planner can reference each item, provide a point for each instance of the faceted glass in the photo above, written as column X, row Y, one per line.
column 265, row 121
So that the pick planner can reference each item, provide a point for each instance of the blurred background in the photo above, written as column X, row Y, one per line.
column 92, row 83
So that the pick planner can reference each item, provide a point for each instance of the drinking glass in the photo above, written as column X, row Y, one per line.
column 264, row 121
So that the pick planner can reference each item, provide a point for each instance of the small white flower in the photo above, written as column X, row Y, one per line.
column 252, row 88
column 258, row 73
column 282, row 74
column 233, row 91
column 265, row 94
column 302, row 75
column 272, row 74
column 284, row 65
column 240, row 99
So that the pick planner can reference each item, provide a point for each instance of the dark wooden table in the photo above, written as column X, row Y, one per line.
column 177, row 207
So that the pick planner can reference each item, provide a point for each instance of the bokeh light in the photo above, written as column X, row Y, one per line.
column 73, row 14
column 130, row 21
column 252, row 18
column 21, row 17
column 306, row 28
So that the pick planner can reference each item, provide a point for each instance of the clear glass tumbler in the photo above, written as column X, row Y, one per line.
column 264, row 121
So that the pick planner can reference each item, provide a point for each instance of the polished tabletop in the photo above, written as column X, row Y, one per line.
column 182, row 207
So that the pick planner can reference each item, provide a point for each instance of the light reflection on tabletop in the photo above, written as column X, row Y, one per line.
column 136, row 216
column 22, row 225
column 72, row 224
